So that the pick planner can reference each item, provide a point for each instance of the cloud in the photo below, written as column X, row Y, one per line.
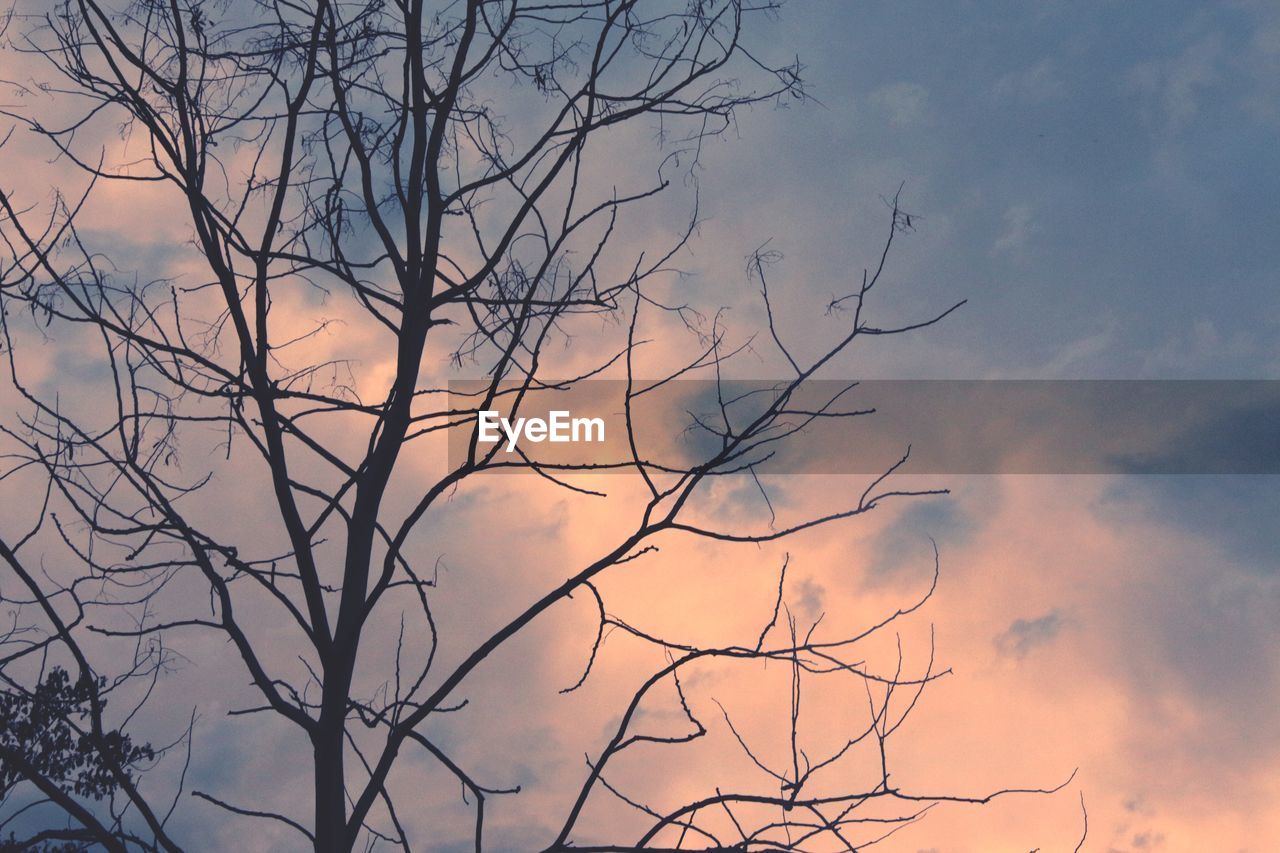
column 1036, row 84
column 1205, row 350
column 1261, row 62
column 1081, row 352
column 810, row 596
column 903, row 103
column 1026, row 634
column 1173, row 88
column 1019, row 225
column 903, row 550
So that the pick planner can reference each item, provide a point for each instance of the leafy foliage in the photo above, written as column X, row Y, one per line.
column 40, row 727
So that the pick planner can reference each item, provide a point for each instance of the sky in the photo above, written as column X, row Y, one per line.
column 1098, row 179
column 1101, row 182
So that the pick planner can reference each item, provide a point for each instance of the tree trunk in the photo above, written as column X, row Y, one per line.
column 331, row 799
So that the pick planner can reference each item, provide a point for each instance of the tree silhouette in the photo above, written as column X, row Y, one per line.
column 37, row 738
column 444, row 175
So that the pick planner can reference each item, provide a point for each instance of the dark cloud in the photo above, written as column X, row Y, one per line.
column 1235, row 512
column 903, row 550
column 1025, row 635
column 810, row 596
column 1240, row 439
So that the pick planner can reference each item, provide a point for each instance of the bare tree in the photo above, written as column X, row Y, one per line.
column 441, row 172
